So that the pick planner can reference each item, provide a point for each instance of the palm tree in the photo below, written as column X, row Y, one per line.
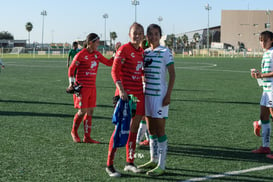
column 185, row 40
column 113, row 36
column 196, row 37
column 170, row 41
column 6, row 35
column 29, row 27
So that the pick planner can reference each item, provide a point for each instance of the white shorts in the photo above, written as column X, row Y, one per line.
column 154, row 108
column 267, row 99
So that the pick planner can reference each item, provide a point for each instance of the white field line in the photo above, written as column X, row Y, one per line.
column 231, row 173
column 204, row 66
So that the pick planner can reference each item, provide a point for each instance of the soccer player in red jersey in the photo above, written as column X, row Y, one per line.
column 86, row 62
column 127, row 72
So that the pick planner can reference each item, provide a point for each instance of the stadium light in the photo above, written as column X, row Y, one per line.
column 105, row 16
column 135, row 3
column 43, row 13
column 268, row 13
column 208, row 8
column 160, row 19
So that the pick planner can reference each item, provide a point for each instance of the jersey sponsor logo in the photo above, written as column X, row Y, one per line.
column 93, row 64
column 136, row 77
column 90, row 73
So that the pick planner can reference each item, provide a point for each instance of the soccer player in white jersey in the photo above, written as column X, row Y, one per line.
column 158, row 61
column 266, row 103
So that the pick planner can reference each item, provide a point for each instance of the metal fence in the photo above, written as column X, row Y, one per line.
column 63, row 53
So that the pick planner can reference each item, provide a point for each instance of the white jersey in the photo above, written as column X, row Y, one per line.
column 267, row 67
column 155, row 68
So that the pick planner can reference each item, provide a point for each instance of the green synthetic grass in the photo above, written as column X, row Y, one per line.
column 209, row 128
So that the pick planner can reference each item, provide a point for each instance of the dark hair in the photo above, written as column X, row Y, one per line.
column 92, row 37
column 155, row 26
column 144, row 44
column 137, row 25
column 266, row 35
column 75, row 43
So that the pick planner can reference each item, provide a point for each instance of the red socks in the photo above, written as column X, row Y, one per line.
column 87, row 122
column 76, row 123
column 111, row 151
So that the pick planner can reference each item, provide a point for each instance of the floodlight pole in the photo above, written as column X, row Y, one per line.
column 105, row 16
column 208, row 8
column 268, row 12
column 135, row 3
column 160, row 19
column 43, row 13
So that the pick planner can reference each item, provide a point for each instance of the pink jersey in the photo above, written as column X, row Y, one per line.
column 128, row 68
column 87, row 65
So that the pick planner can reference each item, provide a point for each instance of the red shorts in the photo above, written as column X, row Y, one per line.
column 140, row 110
column 86, row 99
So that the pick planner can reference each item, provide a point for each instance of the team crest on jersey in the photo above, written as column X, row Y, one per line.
column 77, row 63
column 96, row 56
column 122, row 60
column 86, row 57
column 148, row 62
column 133, row 55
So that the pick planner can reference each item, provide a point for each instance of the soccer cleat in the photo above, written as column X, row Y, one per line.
column 156, row 172
column 131, row 167
column 270, row 156
column 75, row 137
column 257, row 128
column 145, row 142
column 111, row 171
column 262, row 150
column 89, row 140
column 148, row 165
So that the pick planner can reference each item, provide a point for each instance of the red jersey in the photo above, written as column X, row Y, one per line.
column 87, row 66
column 128, row 68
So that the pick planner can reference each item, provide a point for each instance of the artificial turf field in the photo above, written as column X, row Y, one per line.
column 209, row 129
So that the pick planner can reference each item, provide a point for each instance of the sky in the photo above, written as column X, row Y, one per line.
column 69, row 20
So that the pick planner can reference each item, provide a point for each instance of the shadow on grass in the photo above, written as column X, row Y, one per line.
column 217, row 101
column 35, row 102
column 217, row 152
column 32, row 114
column 45, row 103
column 188, row 174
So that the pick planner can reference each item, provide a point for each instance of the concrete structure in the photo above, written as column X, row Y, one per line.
column 244, row 26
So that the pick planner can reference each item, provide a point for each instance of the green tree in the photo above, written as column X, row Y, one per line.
column 185, row 40
column 6, row 35
column 29, row 27
column 113, row 36
column 179, row 42
column 170, row 41
column 196, row 37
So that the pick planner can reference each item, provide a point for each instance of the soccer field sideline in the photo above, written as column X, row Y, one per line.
column 231, row 173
